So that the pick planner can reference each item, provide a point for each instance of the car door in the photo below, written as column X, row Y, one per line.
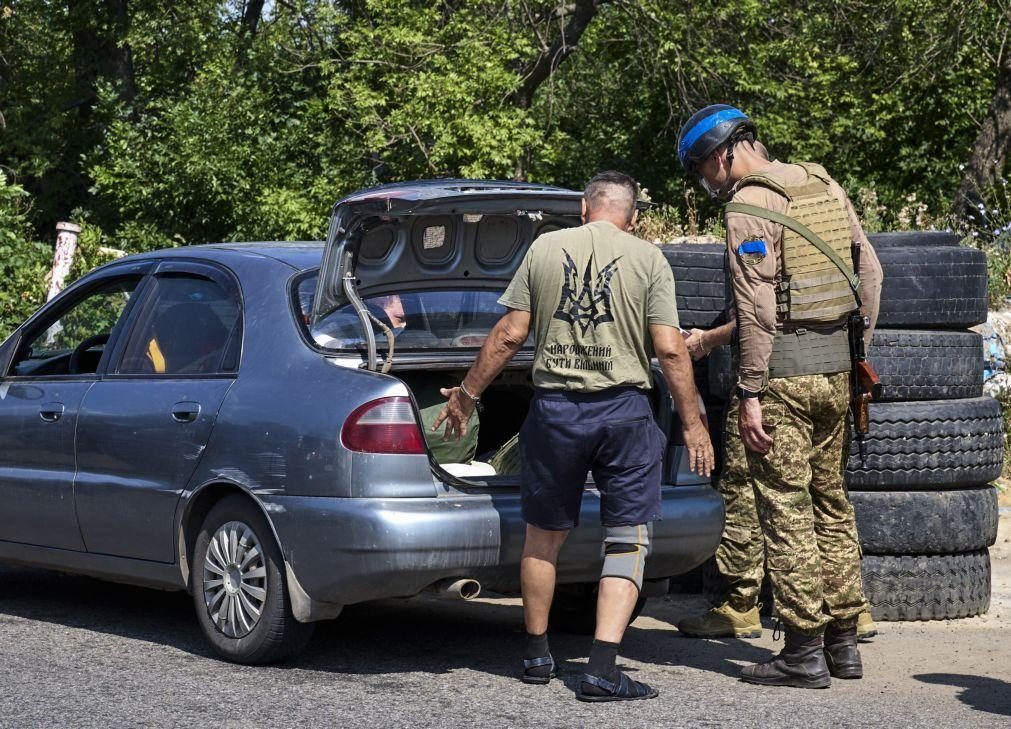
column 144, row 426
column 57, row 357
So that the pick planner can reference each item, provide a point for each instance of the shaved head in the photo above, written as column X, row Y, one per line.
column 611, row 193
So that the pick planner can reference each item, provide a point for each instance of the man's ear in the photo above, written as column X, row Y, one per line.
column 634, row 220
column 582, row 210
column 719, row 156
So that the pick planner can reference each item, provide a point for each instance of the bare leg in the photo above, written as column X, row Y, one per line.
column 537, row 576
column 615, row 602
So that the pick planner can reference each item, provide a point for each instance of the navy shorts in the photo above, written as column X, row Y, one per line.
column 610, row 433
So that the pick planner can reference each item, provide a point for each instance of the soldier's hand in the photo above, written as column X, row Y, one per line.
column 750, row 422
column 700, row 449
column 695, row 342
column 455, row 414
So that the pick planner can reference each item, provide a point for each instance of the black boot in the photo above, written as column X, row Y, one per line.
column 841, row 653
column 800, row 664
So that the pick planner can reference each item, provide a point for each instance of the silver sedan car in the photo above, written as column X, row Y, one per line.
column 249, row 422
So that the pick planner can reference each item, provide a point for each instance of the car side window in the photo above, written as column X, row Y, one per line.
column 72, row 342
column 188, row 325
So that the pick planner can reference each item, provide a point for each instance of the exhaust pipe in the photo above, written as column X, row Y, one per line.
column 457, row 588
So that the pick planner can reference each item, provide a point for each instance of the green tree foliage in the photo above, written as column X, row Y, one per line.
column 886, row 94
column 23, row 263
column 171, row 123
column 324, row 102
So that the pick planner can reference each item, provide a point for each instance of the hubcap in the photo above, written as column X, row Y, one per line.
column 235, row 579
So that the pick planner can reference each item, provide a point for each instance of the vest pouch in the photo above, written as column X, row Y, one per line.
column 809, row 352
column 820, row 298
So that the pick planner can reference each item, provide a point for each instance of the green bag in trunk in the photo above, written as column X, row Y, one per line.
column 430, row 403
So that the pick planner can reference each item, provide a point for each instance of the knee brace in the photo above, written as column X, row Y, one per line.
column 625, row 550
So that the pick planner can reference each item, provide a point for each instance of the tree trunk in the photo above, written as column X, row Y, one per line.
column 100, row 29
column 122, row 58
column 990, row 152
column 580, row 13
column 251, row 16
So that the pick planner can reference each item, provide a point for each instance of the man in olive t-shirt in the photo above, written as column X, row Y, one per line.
column 592, row 292
column 597, row 298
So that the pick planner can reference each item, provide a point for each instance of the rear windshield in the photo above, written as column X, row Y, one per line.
column 419, row 320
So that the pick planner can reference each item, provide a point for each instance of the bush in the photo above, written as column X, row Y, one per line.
column 988, row 227
column 25, row 265
column 23, row 262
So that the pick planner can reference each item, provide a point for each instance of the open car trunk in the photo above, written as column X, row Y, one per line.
column 410, row 281
column 489, row 456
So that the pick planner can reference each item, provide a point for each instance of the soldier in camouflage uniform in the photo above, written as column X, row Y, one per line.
column 740, row 558
column 800, row 265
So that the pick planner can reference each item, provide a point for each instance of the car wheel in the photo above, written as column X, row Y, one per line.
column 574, row 608
column 239, row 588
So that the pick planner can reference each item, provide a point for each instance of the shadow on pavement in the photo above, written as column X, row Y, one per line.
column 980, row 692
column 80, row 602
column 670, row 648
column 424, row 634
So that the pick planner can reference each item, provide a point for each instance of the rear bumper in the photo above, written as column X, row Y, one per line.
column 345, row 551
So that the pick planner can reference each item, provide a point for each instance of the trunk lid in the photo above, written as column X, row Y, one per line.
column 424, row 235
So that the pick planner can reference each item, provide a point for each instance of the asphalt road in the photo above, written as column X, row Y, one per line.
column 82, row 653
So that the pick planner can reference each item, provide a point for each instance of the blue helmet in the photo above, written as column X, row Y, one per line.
column 709, row 128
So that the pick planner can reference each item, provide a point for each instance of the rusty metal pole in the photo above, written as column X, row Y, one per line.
column 63, row 257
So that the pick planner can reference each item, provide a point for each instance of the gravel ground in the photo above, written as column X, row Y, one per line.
column 78, row 652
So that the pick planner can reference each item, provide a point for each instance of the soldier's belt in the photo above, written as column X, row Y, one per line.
column 809, row 352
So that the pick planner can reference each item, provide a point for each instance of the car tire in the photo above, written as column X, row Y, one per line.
column 928, row 445
column 939, row 286
column 253, row 579
column 919, row 587
column 914, row 238
column 926, row 522
column 927, row 365
column 574, row 608
column 700, row 282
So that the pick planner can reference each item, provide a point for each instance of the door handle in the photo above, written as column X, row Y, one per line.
column 185, row 412
column 51, row 411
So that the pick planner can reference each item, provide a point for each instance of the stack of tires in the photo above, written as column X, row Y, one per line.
column 919, row 480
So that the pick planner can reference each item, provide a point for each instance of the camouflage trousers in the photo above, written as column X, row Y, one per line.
column 812, row 549
column 740, row 558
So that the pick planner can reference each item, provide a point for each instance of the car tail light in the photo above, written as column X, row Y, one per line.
column 386, row 425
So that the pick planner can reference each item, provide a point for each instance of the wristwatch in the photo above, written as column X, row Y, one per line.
column 744, row 394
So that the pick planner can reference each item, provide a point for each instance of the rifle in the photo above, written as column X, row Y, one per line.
column 864, row 382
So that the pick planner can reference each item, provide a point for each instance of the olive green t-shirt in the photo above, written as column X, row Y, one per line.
column 592, row 293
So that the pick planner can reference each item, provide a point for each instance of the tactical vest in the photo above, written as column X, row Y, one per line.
column 816, row 285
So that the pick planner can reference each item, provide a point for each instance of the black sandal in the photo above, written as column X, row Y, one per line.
column 624, row 690
column 529, row 663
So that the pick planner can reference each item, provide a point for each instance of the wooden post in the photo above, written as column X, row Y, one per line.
column 63, row 257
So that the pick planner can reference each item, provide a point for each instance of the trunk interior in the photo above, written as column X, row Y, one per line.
column 493, row 456
column 505, row 404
